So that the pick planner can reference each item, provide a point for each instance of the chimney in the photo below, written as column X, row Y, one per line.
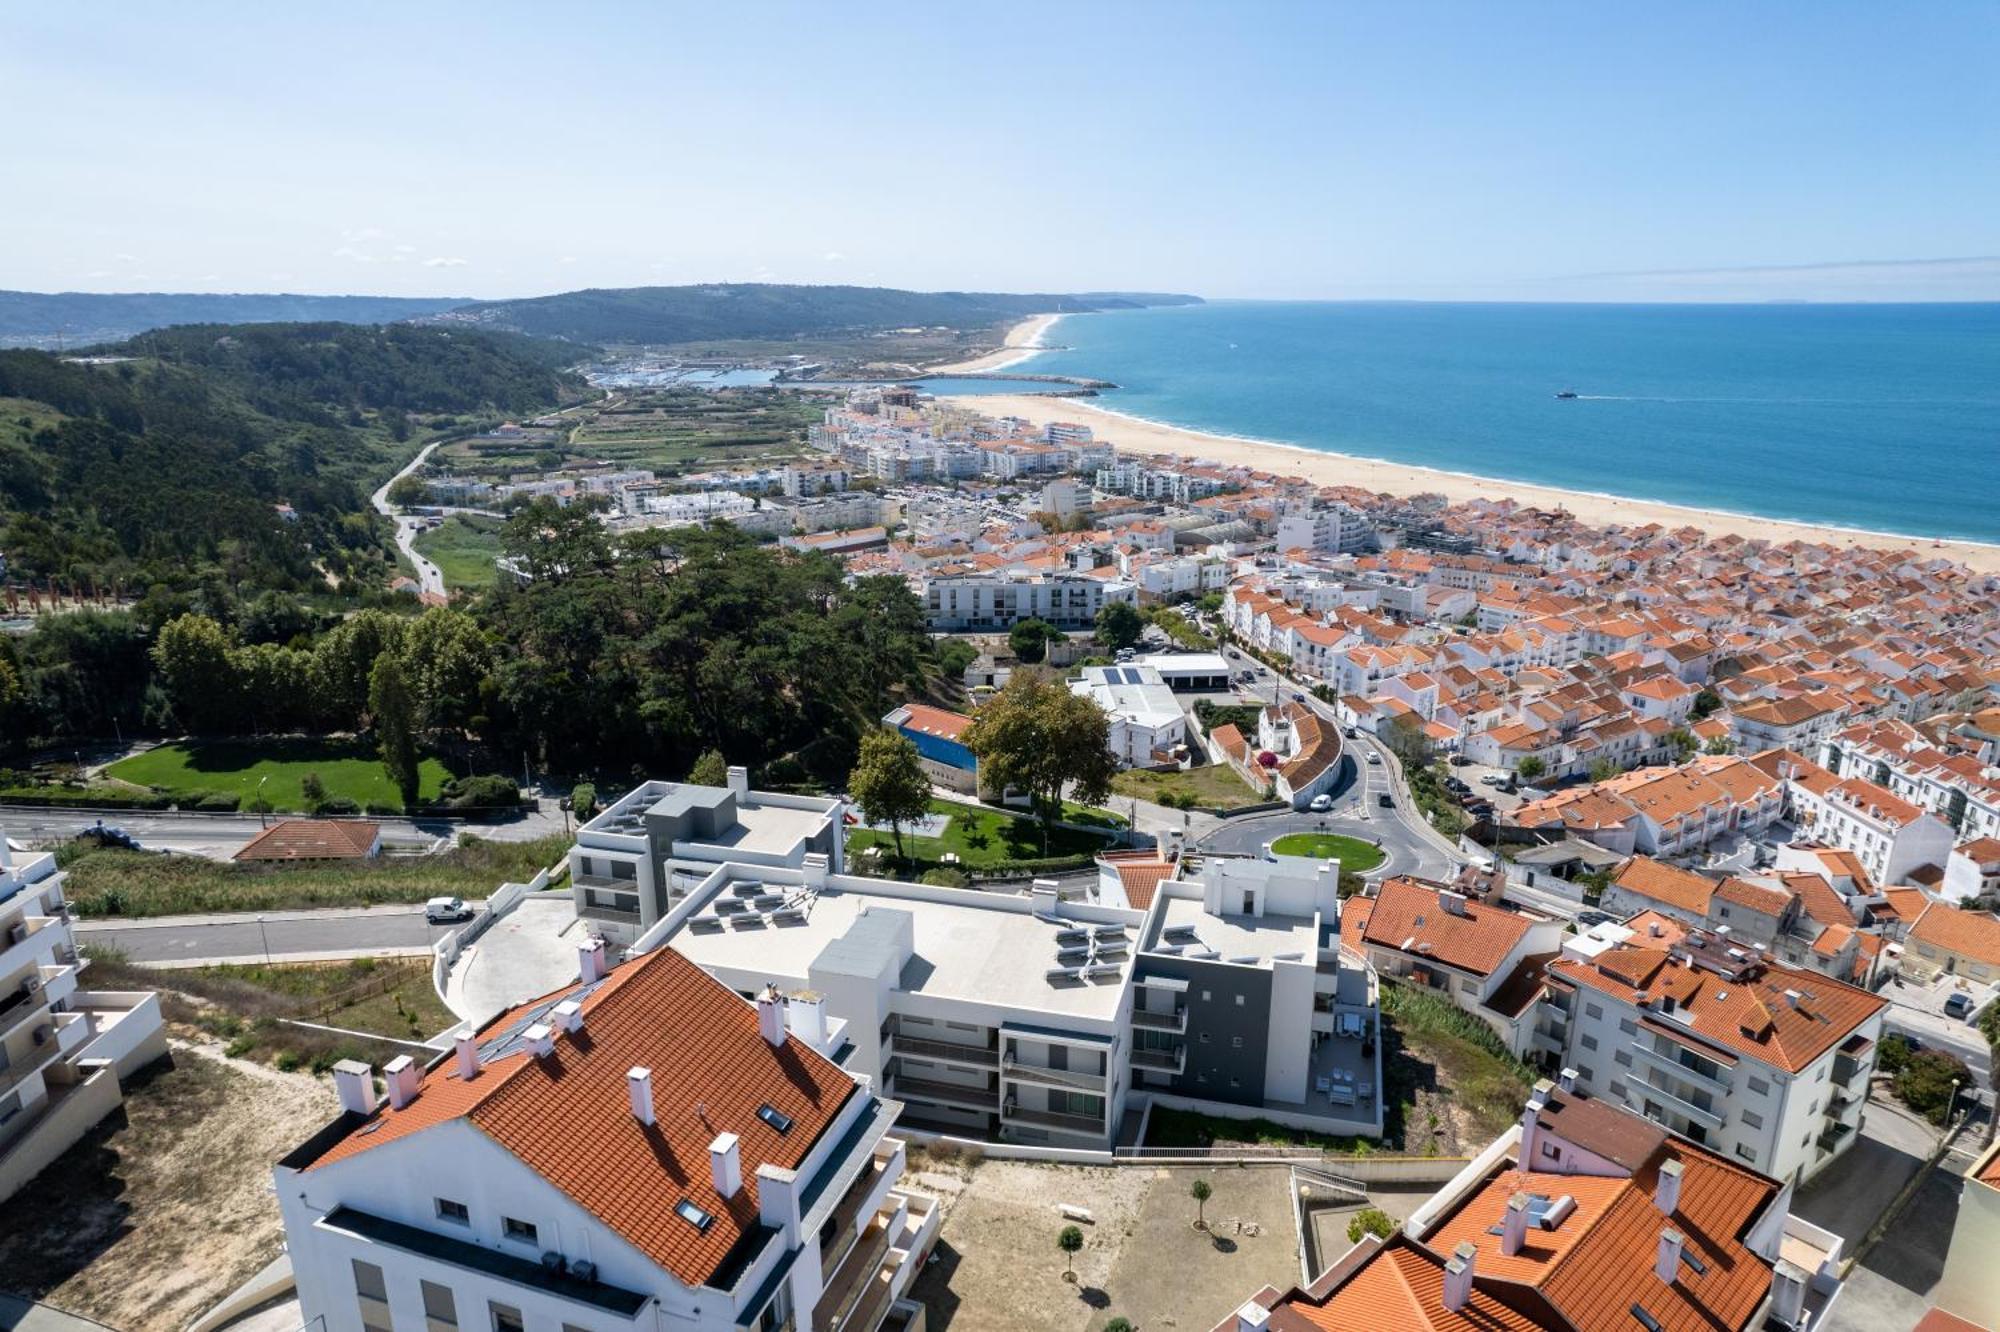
column 1531, row 1122
column 805, row 1013
column 541, row 1040
column 778, row 1200
column 725, row 1165
column 467, row 1050
column 1252, row 1317
column 1667, row 1188
column 403, row 1077
column 569, row 1015
column 1667, row 1258
column 1452, row 902
column 1458, row 1276
column 590, row 960
column 1653, row 928
column 1788, row 1293
column 739, row 781
column 1567, row 1079
column 639, row 1087
column 1792, row 998
column 771, row 1016
column 814, row 867
column 353, row 1080
column 1514, row 1225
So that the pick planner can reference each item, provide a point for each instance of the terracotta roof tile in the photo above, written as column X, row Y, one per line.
column 314, row 839
column 1477, row 941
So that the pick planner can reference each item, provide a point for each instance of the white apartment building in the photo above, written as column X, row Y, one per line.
column 1890, row 835
column 640, row 1149
column 641, row 856
column 1765, row 1064
column 1044, row 1019
column 63, row 1049
column 1338, row 528
column 1147, row 725
column 956, row 603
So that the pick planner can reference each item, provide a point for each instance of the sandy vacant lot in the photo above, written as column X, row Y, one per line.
column 166, row 1207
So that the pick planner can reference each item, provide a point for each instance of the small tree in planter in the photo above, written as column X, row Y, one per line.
column 1070, row 1241
column 1201, row 1192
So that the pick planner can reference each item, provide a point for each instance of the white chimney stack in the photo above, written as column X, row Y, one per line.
column 1788, row 1293
column 467, row 1050
column 1667, row 1189
column 1252, row 1317
column 569, row 1015
column 639, row 1087
column 1531, row 1123
column 805, row 1012
column 590, row 960
column 739, row 780
column 353, row 1080
column 771, row 1016
column 1458, row 1276
column 541, row 1040
column 1567, row 1079
column 1514, row 1225
column 725, row 1164
column 1667, row 1259
column 403, row 1077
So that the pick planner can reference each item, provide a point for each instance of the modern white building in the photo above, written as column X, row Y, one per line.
column 1766, row 1064
column 638, row 858
column 1148, row 727
column 641, row 1149
column 986, row 601
column 1335, row 528
column 63, row 1049
column 1891, row 836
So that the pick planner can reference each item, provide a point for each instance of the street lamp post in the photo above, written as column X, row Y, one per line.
column 261, row 934
column 263, row 819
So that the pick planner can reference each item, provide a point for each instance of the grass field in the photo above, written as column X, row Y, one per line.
column 240, row 766
column 983, row 839
column 669, row 431
column 133, row 884
column 1353, row 854
column 464, row 549
column 1450, row 1084
column 1213, row 786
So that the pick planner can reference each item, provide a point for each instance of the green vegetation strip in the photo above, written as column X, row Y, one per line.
column 1352, row 853
column 984, row 840
column 1212, row 786
column 1431, row 1042
column 192, row 769
column 130, row 884
column 464, row 549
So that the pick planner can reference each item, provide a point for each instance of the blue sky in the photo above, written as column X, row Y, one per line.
column 1477, row 150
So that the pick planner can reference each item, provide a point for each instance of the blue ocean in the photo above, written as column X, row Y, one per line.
column 1882, row 417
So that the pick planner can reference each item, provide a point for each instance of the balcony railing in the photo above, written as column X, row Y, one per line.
column 605, row 881
column 1715, row 1086
column 1643, row 1091
column 1160, row 1061
column 922, row 1047
column 1013, row 1068
column 1174, row 1021
column 945, row 1093
column 1053, row 1119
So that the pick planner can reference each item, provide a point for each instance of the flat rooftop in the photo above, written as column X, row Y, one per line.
column 959, row 951
column 769, row 829
column 1259, row 938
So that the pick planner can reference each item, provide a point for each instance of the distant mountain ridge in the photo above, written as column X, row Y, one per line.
column 77, row 318
column 759, row 310
column 732, row 310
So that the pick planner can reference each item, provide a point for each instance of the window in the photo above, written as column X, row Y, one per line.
column 1618, row 1090
column 1239, row 1001
column 505, row 1318
column 1204, row 1038
column 1623, row 1059
column 1593, row 1010
column 776, row 1118
column 1743, row 1150
column 1589, row 1042
column 1205, row 996
column 450, row 1210
column 693, row 1215
column 1821, row 1075
column 371, row 1297
column 1628, row 1026
column 1551, row 1152
column 1751, row 1119
column 440, row 1310
column 1760, row 1087
column 1236, row 1042
column 521, row 1232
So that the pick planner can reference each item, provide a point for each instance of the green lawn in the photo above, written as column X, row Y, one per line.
column 1352, row 853
column 464, row 549
column 1212, row 786
column 983, row 839
column 348, row 769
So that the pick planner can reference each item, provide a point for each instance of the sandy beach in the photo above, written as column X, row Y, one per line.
column 1023, row 340
column 1132, row 435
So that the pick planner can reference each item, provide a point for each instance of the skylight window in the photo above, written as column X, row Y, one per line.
column 693, row 1215
column 1646, row 1320
column 775, row 1117
column 1700, row 1268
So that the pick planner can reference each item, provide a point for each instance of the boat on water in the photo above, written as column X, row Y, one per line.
column 1565, row 393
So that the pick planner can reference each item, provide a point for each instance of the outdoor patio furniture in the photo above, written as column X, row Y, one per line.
column 1322, row 1084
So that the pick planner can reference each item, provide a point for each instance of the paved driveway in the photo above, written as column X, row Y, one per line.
column 1889, row 1288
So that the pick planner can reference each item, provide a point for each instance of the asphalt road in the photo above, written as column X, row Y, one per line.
column 429, row 577
column 279, row 935
column 218, row 836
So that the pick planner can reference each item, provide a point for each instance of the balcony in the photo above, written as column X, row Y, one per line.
column 1174, row 1021
column 616, row 885
column 1088, row 1125
column 1669, row 1061
column 967, row 1096
column 1653, row 1091
column 1831, row 1137
column 1855, row 1055
column 1172, row 1060
column 951, row 1052
column 50, row 984
column 611, row 915
column 23, row 942
column 1013, row 1069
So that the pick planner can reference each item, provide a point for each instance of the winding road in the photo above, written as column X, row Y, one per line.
column 430, row 579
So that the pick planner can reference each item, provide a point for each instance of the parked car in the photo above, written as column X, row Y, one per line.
column 1959, row 1005
column 1385, row 800
column 1491, row 779
column 1459, row 761
column 1592, row 919
column 1321, row 804
column 446, row 910
column 1479, row 809
column 110, row 835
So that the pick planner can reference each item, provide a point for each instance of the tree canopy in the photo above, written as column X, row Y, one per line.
column 1036, row 736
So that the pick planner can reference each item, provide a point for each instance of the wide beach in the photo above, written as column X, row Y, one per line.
column 1022, row 341
column 1132, row 435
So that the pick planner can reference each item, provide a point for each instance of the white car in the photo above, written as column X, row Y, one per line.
column 1491, row 779
column 446, row 910
column 1321, row 804
column 1374, row 758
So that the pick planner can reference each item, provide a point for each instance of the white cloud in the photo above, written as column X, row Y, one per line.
column 834, row 256
column 453, row 262
column 98, row 273
column 349, row 252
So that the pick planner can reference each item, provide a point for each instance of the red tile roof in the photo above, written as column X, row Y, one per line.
column 1478, row 940
column 1668, row 884
column 567, row 1116
column 314, row 839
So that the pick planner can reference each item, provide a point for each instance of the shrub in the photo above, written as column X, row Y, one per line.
column 945, row 878
column 218, row 802
column 485, row 794
column 1929, row 1082
column 1370, row 1221
column 1894, row 1054
column 335, row 806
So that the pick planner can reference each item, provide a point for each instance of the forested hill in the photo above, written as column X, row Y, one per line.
column 36, row 318
column 163, row 460
column 767, row 311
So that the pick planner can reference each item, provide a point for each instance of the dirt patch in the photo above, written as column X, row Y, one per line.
column 166, row 1206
